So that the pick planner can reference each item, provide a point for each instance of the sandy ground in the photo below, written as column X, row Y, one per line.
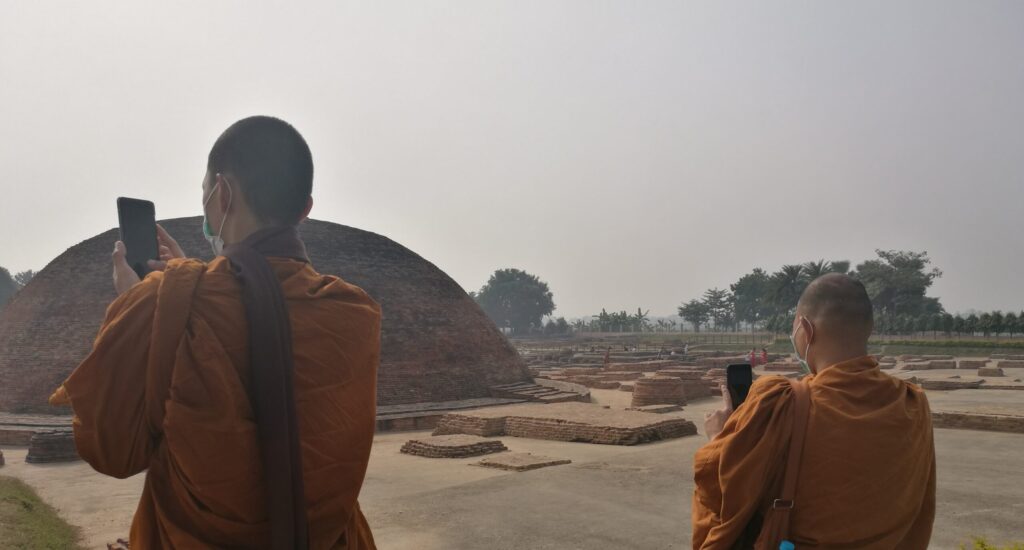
column 609, row 497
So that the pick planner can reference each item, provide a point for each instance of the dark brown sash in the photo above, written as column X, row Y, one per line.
column 271, row 370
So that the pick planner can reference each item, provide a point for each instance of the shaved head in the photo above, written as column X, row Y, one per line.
column 839, row 305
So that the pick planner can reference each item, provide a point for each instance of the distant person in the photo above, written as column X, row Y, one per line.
column 608, row 356
column 764, row 356
column 866, row 476
column 245, row 387
column 686, row 349
column 752, row 357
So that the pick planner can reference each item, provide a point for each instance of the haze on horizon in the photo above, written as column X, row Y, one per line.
column 630, row 154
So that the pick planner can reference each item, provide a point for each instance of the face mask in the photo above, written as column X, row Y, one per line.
column 216, row 241
column 804, row 367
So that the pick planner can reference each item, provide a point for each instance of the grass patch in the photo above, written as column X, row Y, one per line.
column 979, row 543
column 26, row 522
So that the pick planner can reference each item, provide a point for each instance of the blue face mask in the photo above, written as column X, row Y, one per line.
column 805, row 368
column 216, row 241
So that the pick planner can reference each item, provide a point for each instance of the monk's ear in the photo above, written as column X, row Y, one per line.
column 309, row 206
column 809, row 329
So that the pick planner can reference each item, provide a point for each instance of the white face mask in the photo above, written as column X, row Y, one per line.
column 216, row 241
column 804, row 366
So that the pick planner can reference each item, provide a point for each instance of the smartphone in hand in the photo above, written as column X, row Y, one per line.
column 738, row 379
column 137, row 221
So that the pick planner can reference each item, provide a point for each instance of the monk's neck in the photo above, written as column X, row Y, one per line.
column 825, row 357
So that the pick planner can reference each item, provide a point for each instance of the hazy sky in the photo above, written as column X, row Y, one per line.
column 629, row 153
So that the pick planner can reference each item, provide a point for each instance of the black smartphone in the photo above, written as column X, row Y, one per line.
column 739, row 378
column 137, row 220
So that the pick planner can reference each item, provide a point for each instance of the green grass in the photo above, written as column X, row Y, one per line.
column 26, row 522
column 979, row 543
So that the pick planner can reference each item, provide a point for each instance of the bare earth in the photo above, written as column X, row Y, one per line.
column 608, row 497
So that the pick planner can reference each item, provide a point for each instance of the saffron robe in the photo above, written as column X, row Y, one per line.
column 165, row 389
column 867, row 477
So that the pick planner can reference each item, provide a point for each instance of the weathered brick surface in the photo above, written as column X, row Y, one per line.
column 1010, row 364
column 973, row 421
column 55, row 446
column 578, row 422
column 950, row 384
column 658, row 390
column 990, row 371
column 521, row 462
column 972, row 363
column 782, row 367
column 452, row 446
column 942, row 364
column 437, row 345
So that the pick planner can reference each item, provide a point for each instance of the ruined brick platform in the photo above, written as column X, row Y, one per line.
column 977, row 421
column 452, row 446
column 521, row 462
column 55, row 446
column 991, row 371
column 658, row 390
column 951, row 384
column 577, row 422
column 18, row 429
column 656, row 409
column 972, row 363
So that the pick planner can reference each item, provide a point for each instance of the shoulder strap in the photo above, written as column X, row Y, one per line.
column 776, row 525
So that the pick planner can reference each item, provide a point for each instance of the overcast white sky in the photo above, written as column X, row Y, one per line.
column 630, row 153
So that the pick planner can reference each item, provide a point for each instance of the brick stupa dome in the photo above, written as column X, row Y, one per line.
column 437, row 344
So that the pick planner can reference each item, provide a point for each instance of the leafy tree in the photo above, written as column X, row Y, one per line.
column 719, row 303
column 985, row 324
column 23, row 277
column 897, row 282
column 812, row 270
column 696, row 313
column 948, row 323
column 639, row 322
column 8, row 286
column 516, row 299
column 998, row 325
column 785, row 288
column 751, row 298
column 1010, row 323
column 971, row 324
column 959, row 324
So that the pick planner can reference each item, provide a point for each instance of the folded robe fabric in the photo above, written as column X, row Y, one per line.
column 166, row 388
column 867, row 476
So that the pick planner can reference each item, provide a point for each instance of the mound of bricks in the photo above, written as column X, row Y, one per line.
column 452, row 446
column 972, row 363
column 575, row 422
column 521, row 462
column 52, row 446
column 658, row 390
column 1010, row 364
column 990, row 371
column 951, row 384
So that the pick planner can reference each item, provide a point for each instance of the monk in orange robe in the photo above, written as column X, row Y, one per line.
column 167, row 387
column 867, row 473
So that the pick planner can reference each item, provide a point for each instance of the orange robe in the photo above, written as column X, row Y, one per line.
column 867, row 477
column 164, row 389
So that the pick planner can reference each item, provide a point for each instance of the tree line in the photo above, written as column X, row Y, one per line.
column 11, row 284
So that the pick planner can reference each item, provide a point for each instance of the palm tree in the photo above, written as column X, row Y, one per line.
column 786, row 286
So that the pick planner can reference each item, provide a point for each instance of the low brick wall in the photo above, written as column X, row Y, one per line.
column 971, row 421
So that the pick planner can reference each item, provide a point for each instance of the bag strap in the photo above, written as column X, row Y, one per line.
column 776, row 525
